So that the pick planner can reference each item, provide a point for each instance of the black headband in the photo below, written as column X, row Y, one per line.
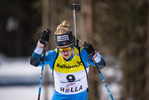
column 64, row 39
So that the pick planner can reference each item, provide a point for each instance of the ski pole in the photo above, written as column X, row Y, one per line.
column 73, row 8
column 41, row 75
column 103, row 79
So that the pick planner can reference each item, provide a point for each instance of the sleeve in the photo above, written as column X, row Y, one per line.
column 84, row 57
column 88, row 60
column 37, row 57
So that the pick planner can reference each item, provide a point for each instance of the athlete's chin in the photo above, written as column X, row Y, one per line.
column 66, row 57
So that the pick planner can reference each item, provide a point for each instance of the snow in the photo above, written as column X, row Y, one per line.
column 23, row 93
column 17, row 66
column 19, row 80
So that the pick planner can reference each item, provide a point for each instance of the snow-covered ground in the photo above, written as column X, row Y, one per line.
column 23, row 93
column 15, row 73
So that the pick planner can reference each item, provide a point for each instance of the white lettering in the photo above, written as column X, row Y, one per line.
column 62, row 38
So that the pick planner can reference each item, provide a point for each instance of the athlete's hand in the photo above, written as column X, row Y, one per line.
column 45, row 36
column 89, row 48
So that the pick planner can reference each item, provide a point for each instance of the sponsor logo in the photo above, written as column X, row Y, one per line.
column 67, row 89
column 63, row 42
column 71, row 89
column 70, row 84
column 62, row 38
column 69, row 66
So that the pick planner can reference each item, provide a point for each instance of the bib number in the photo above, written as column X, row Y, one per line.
column 70, row 78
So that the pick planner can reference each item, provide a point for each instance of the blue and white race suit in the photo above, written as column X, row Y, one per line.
column 70, row 77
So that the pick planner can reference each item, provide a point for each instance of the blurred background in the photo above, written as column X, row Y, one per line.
column 117, row 28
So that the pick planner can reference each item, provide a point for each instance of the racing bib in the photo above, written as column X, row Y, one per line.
column 70, row 76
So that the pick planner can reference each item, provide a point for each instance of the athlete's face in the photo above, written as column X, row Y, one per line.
column 65, row 51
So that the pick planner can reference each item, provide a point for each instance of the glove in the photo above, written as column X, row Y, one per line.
column 89, row 48
column 45, row 36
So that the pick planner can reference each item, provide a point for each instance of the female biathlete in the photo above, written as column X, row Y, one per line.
column 69, row 63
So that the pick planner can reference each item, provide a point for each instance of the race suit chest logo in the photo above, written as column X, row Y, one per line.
column 69, row 66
